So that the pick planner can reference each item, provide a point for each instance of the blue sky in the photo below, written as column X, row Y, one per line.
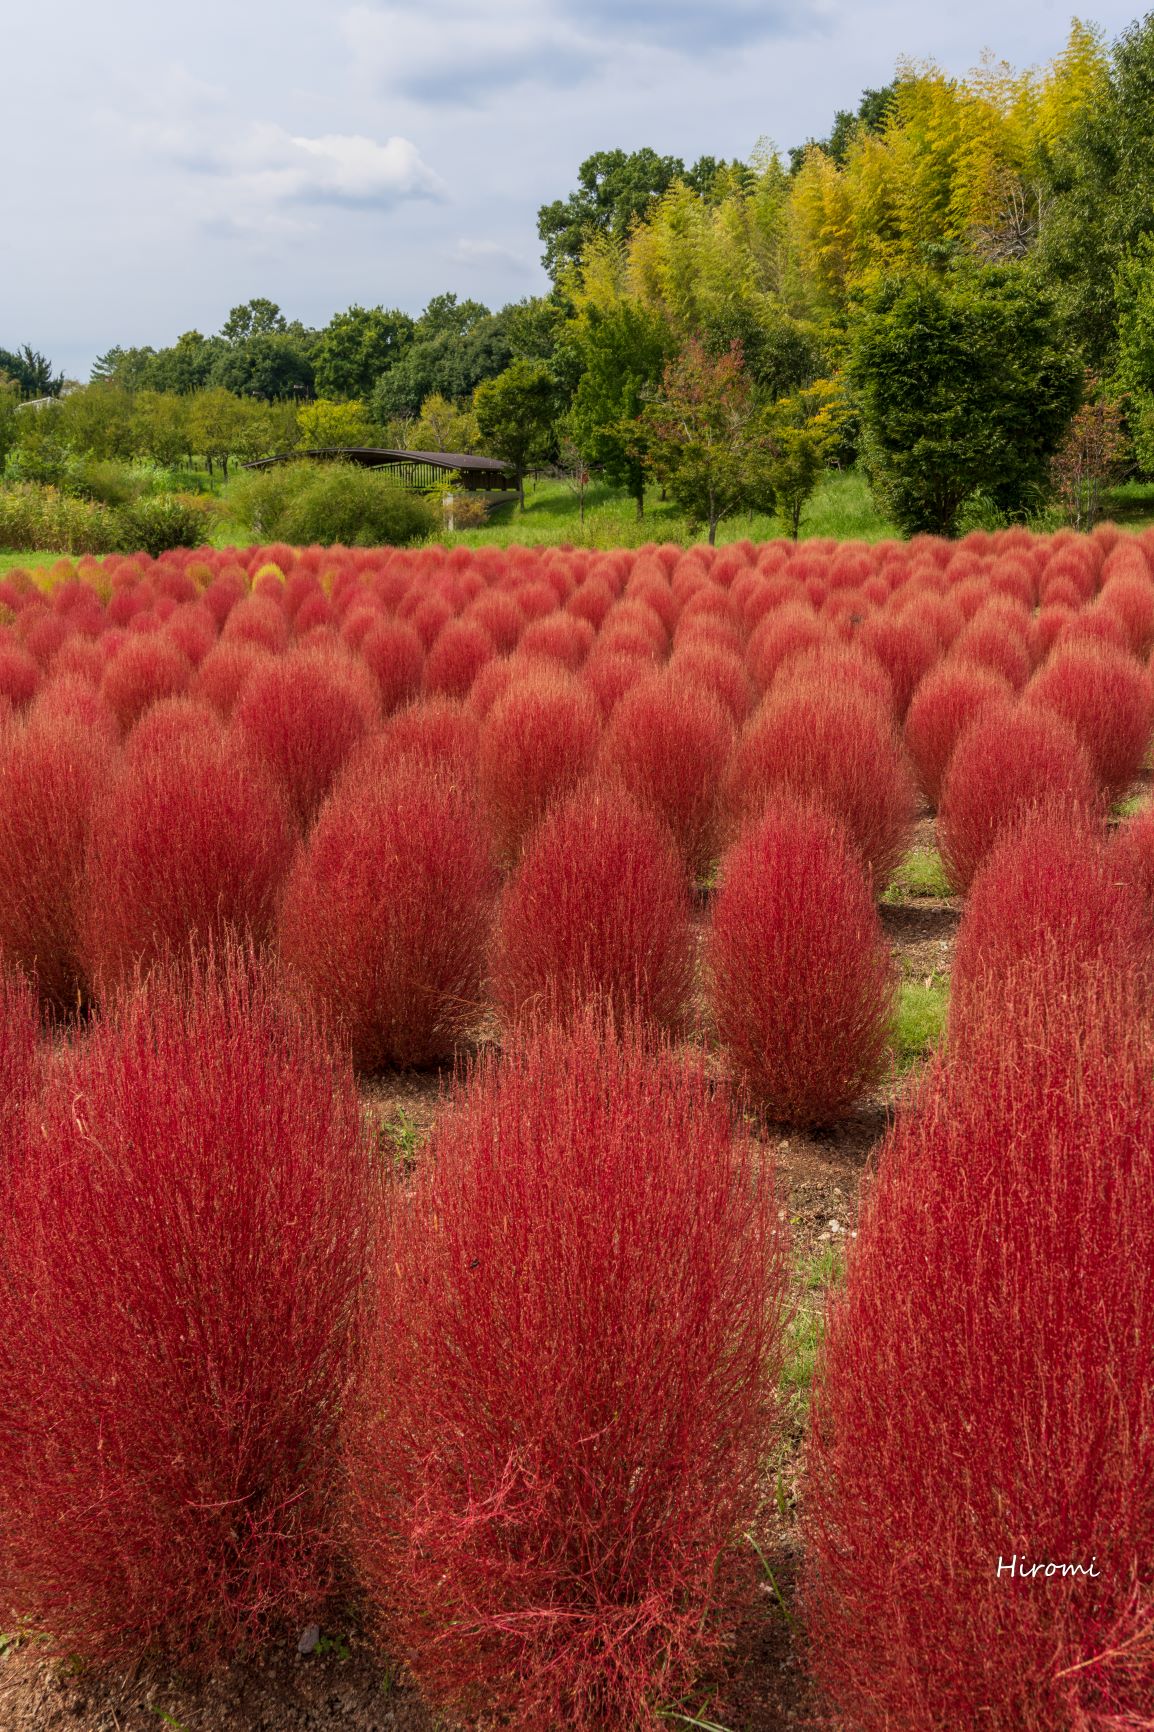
column 162, row 163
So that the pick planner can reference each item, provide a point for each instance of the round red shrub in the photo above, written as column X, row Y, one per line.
column 1050, row 894
column 1131, row 599
column 188, row 848
column 800, row 981
column 461, row 650
column 53, row 781
column 143, row 670
column 988, row 643
column 597, row 912
column 395, row 656
column 583, row 1290
column 536, row 744
column 303, row 713
column 223, row 673
column 668, row 743
column 906, row 649
column 717, row 671
column 181, row 1255
column 19, row 672
column 837, row 746
column 785, row 632
column 440, row 733
column 386, row 914
column 1106, row 697
column 68, row 697
column 256, row 620
column 560, row 638
column 981, row 1416
column 1012, row 757
column 945, row 703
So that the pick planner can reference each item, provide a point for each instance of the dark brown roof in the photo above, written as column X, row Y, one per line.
column 367, row 453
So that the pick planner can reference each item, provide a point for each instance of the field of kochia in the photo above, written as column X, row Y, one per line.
column 602, row 837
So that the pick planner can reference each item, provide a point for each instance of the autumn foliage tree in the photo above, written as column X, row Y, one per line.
column 709, row 440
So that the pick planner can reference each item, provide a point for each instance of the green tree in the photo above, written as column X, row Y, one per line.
column 217, row 422
column 325, row 426
column 1100, row 192
column 188, row 364
column 97, row 421
column 709, row 439
column 456, row 345
column 9, row 418
column 130, row 369
column 255, row 318
column 357, row 346
column 515, row 415
column 442, row 426
column 614, row 190
column 623, row 348
column 160, row 425
column 965, row 384
column 32, row 372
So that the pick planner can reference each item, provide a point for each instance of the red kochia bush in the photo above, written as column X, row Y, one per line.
column 303, row 713
column 1011, row 758
column 984, row 1398
column 598, row 910
column 189, row 846
column 1105, row 695
column 181, row 1255
column 53, row 777
column 668, row 742
column 18, row 1055
column 1132, row 854
column 799, row 978
column 143, row 670
column 945, row 703
column 385, row 919
column 1048, row 892
column 568, row 1396
column 838, row 747
column 537, row 742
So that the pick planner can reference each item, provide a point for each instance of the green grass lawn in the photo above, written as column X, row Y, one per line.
column 842, row 508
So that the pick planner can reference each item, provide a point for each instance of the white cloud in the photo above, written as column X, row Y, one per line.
column 491, row 253
column 272, row 164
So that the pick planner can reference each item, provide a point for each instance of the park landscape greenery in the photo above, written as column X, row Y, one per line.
column 952, row 292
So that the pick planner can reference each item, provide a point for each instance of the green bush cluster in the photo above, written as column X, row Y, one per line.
column 37, row 517
column 308, row 503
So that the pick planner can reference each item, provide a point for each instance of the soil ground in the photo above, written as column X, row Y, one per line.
column 346, row 1688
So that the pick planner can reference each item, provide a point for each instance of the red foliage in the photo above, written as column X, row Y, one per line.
column 785, row 632
column 717, row 671
column 395, row 655
column 438, row 732
column 19, row 672
column 668, row 743
column 19, row 1058
column 303, row 713
column 906, row 649
column 610, row 675
column 944, row 705
column 224, row 671
column 836, row 746
column 53, row 777
column 181, row 1254
column 257, row 619
column 1010, row 758
column 500, row 616
column 537, row 742
column 569, row 1395
column 983, row 1406
column 188, row 848
column 835, row 666
column 559, row 638
column 598, row 912
column 800, row 980
column 1106, row 697
column 68, row 697
column 1050, row 894
column 143, row 670
column 990, row 643
column 462, row 649
column 1132, row 854
column 1131, row 599
column 386, row 913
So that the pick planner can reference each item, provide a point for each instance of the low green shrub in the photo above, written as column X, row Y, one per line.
column 310, row 503
column 153, row 525
column 35, row 516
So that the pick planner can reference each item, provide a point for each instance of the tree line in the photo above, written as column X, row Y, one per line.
column 954, row 289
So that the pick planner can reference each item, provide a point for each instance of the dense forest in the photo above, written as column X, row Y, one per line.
column 954, row 288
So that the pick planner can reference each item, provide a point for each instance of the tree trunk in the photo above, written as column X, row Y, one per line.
column 521, row 486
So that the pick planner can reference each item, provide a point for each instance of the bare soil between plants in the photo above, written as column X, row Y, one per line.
column 348, row 1688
